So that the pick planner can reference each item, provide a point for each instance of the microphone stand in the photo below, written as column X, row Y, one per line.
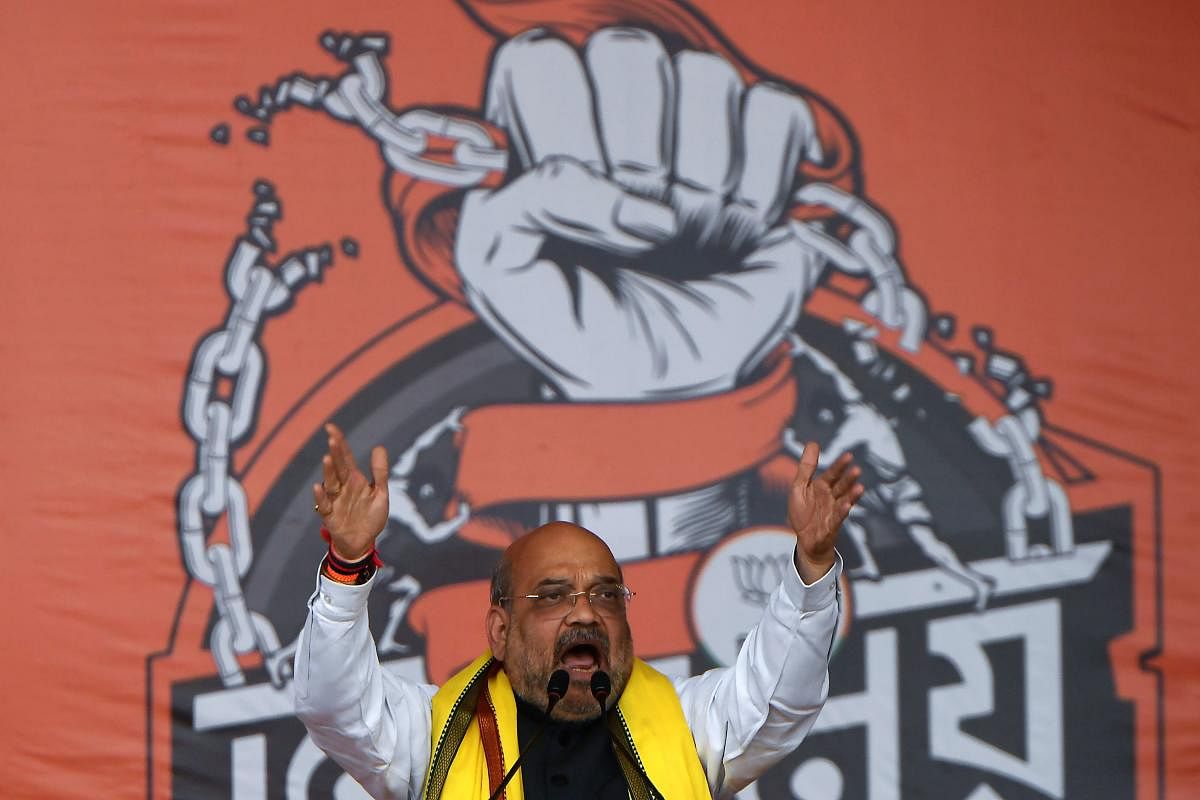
column 560, row 681
column 601, row 689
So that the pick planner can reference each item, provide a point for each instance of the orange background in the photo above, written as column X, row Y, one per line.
column 1041, row 162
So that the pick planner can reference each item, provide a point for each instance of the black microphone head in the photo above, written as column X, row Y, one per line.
column 601, row 687
column 560, row 681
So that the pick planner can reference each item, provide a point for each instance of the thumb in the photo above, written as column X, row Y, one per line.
column 562, row 197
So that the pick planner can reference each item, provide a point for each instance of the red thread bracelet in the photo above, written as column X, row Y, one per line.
column 341, row 562
column 348, row 572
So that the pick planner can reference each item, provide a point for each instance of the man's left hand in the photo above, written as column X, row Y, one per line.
column 817, row 508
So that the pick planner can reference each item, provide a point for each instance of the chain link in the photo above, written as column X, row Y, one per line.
column 1032, row 495
column 356, row 96
column 869, row 251
column 218, row 425
column 1016, row 514
column 1025, row 465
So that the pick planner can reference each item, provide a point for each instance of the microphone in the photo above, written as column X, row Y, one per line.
column 601, row 689
column 560, row 681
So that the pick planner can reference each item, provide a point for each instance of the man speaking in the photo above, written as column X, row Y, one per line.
column 559, row 642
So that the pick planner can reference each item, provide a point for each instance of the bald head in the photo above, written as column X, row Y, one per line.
column 533, row 638
column 553, row 544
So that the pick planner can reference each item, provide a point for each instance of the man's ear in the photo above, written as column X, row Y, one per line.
column 497, row 622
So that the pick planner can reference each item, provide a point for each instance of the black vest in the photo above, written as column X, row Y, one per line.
column 571, row 762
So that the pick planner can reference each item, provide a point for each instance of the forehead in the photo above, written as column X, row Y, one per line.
column 571, row 555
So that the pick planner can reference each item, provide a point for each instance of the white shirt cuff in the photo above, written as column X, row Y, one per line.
column 817, row 595
column 340, row 602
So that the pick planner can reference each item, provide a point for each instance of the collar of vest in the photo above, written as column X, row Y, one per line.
column 475, row 736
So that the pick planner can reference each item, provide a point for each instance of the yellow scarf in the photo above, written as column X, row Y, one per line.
column 648, row 718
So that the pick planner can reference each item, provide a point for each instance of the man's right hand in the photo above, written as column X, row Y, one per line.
column 353, row 509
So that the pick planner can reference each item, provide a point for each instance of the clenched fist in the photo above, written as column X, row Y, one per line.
column 642, row 250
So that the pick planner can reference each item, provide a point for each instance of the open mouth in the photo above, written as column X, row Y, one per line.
column 580, row 659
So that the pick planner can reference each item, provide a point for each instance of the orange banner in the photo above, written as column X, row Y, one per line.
column 972, row 251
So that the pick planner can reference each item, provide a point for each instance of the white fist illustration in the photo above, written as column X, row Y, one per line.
column 642, row 250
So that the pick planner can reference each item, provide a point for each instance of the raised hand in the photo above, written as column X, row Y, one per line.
column 642, row 249
column 353, row 508
column 817, row 508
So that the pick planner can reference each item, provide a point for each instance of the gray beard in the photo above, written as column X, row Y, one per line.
column 530, row 686
column 529, row 683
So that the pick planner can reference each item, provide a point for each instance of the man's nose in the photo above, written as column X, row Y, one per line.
column 581, row 612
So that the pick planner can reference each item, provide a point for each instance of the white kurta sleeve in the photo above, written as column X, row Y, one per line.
column 748, row 716
column 375, row 725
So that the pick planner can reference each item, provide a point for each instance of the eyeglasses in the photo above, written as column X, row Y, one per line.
column 606, row 598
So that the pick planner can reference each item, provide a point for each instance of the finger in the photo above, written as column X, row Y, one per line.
column 836, row 469
column 343, row 458
column 781, row 249
column 707, row 120
column 776, row 126
column 379, row 467
column 321, row 502
column 330, row 482
column 330, row 470
column 808, row 463
column 634, row 87
column 565, row 199
column 846, row 482
column 539, row 93
column 846, row 504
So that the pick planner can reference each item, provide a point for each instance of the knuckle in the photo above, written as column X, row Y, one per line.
column 527, row 52
column 706, row 67
column 622, row 42
column 556, row 165
column 622, row 34
column 777, row 100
